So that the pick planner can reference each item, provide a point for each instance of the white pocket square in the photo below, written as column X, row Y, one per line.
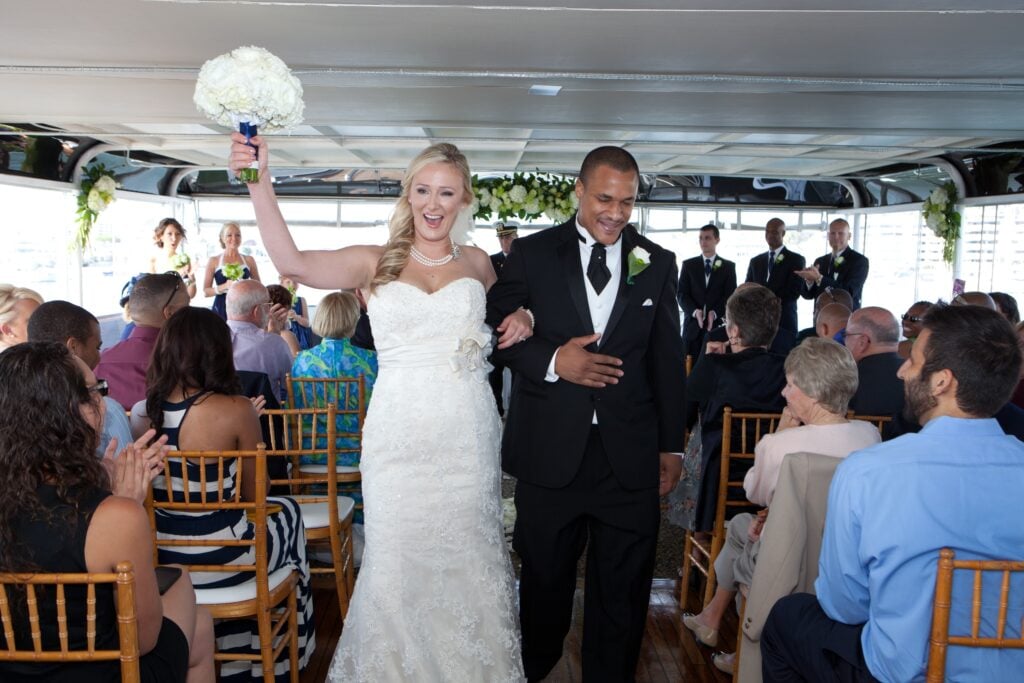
column 647, row 302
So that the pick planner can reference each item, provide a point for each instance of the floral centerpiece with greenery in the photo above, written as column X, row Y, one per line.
column 95, row 194
column 525, row 196
column 940, row 214
column 249, row 88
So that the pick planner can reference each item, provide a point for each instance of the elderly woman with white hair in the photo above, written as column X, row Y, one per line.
column 821, row 377
column 16, row 306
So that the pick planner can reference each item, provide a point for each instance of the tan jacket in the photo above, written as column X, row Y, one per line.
column 790, row 545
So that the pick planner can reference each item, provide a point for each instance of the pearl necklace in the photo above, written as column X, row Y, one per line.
column 420, row 257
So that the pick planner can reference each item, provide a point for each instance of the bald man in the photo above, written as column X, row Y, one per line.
column 975, row 299
column 776, row 269
column 831, row 321
column 873, row 336
column 843, row 268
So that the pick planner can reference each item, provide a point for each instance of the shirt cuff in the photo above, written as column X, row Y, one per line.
column 551, row 376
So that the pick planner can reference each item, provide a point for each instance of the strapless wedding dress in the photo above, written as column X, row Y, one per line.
column 434, row 600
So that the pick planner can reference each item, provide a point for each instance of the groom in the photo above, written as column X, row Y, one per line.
column 595, row 419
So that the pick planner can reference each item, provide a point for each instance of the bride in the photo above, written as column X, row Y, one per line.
column 434, row 600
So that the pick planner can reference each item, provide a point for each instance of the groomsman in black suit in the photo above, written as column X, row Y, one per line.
column 844, row 268
column 776, row 270
column 594, row 425
column 507, row 233
column 705, row 283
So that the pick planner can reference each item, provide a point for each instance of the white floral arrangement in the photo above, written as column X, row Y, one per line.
column 95, row 194
column 637, row 261
column 526, row 196
column 249, row 84
column 940, row 214
column 180, row 260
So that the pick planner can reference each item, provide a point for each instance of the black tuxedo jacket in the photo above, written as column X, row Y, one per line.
column 783, row 282
column 498, row 261
column 548, row 423
column 695, row 295
column 879, row 390
column 849, row 275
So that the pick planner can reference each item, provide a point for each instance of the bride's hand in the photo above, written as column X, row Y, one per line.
column 242, row 154
column 516, row 327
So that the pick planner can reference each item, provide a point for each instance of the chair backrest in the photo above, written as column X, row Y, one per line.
column 347, row 394
column 307, row 432
column 940, row 637
column 740, row 434
column 879, row 420
column 123, row 582
column 211, row 494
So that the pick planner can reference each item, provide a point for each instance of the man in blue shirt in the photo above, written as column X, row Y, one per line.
column 891, row 507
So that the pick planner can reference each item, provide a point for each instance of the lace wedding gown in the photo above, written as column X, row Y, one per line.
column 434, row 598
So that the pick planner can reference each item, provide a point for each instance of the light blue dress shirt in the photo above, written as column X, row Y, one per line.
column 115, row 424
column 958, row 483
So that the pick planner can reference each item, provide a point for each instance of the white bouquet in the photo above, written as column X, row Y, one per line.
column 249, row 87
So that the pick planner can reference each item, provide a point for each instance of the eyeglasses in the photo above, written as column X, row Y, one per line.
column 907, row 318
column 857, row 334
column 177, row 286
column 101, row 387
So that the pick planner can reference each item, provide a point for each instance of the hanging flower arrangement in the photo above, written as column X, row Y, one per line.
column 525, row 196
column 95, row 194
column 940, row 214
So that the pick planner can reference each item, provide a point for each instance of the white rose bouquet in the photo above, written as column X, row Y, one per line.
column 940, row 214
column 95, row 194
column 248, row 88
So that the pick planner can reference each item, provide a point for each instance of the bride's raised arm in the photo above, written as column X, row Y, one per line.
column 347, row 268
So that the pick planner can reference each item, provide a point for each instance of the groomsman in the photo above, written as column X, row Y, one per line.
column 776, row 270
column 844, row 268
column 705, row 283
column 507, row 233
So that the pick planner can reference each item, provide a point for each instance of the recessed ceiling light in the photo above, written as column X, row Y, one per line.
column 545, row 90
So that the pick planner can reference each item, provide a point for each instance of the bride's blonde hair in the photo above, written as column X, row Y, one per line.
column 400, row 227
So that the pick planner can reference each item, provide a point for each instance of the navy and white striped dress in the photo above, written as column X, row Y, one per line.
column 286, row 546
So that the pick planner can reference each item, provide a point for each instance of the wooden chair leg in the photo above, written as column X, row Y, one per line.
column 337, row 542
column 716, row 547
column 266, row 646
column 293, row 635
column 684, row 587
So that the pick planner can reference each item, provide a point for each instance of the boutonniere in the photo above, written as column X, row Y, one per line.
column 636, row 262
column 717, row 264
column 838, row 261
column 779, row 257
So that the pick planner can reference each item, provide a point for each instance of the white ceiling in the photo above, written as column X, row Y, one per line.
column 736, row 87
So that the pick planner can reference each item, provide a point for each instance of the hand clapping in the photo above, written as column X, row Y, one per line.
column 132, row 471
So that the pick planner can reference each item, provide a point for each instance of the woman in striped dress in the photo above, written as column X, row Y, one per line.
column 193, row 397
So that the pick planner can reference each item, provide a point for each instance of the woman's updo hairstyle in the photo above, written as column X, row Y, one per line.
column 400, row 228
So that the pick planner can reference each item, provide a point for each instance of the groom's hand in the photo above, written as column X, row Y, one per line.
column 671, row 471
column 575, row 364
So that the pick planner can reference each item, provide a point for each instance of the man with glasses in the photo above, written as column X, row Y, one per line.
column 255, row 349
column 872, row 336
column 153, row 300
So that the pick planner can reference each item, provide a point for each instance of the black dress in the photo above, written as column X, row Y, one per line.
column 56, row 543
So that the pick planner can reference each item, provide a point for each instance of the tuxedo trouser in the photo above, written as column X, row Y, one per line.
column 619, row 527
column 801, row 643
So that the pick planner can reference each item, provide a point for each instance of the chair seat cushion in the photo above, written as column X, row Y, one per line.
column 322, row 469
column 241, row 592
column 316, row 515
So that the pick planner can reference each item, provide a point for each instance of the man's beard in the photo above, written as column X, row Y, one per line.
column 917, row 398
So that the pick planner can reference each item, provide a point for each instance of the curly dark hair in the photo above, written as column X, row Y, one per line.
column 279, row 295
column 193, row 352
column 43, row 438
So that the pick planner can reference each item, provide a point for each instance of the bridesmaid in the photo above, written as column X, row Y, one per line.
column 298, row 315
column 168, row 237
column 230, row 266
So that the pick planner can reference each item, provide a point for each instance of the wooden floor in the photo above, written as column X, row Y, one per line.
column 669, row 654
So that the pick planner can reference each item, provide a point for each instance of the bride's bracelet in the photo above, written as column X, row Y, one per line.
column 528, row 312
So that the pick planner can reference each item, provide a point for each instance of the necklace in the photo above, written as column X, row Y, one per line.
column 420, row 257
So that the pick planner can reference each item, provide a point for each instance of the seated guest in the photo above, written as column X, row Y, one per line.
column 749, row 378
column 1018, row 393
column 194, row 399
column 56, row 502
column 831, row 295
column 153, row 300
column 1007, row 306
column 336, row 356
column 77, row 329
column 298, row 313
column 912, row 326
column 249, row 310
column 893, row 506
column 16, row 307
column 278, row 324
column 831, row 322
column 872, row 335
column 820, row 379
column 974, row 299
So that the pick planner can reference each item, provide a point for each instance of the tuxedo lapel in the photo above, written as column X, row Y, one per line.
column 629, row 240
column 573, row 271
